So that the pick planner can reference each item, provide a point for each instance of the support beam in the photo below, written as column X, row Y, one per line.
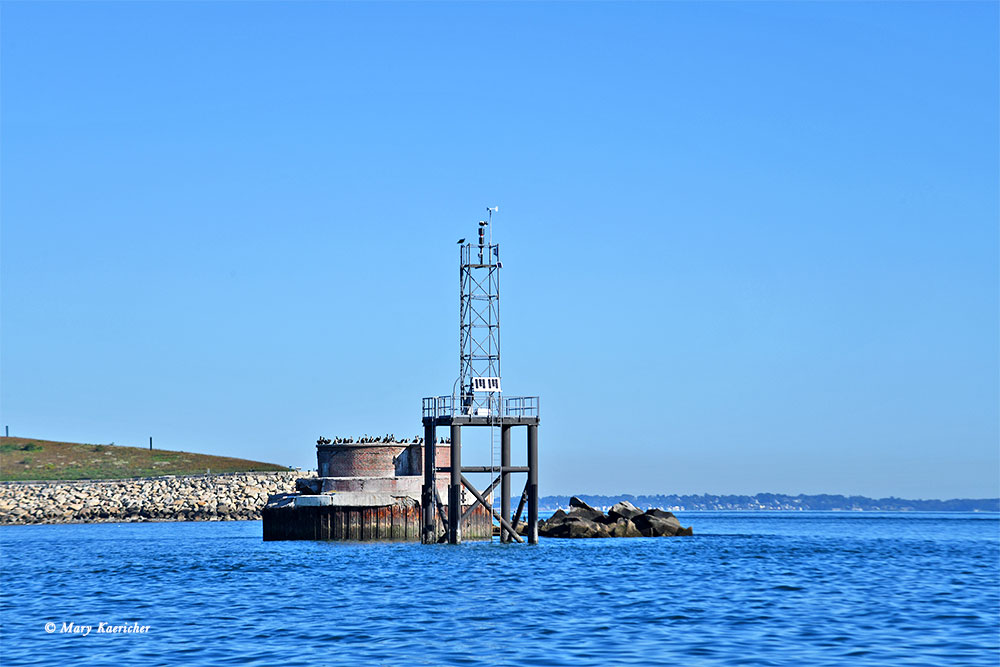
column 487, row 492
column 532, row 484
column 427, row 493
column 503, row 521
column 455, row 487
column 505, row 479
column 443, row 537
column 466, row 469
column 520, row 507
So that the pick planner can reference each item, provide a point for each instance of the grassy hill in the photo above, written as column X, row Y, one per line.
column 33, row 459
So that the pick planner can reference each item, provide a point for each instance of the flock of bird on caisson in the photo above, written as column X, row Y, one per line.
column 387, row 438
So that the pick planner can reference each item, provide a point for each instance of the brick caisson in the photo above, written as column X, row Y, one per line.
column 365, row 491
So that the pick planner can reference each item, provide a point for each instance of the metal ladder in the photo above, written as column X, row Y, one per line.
column 496, row 422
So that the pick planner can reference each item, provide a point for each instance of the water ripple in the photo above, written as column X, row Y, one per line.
column 750, row 589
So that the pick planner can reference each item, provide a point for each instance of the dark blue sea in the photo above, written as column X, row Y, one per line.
column 747, row 589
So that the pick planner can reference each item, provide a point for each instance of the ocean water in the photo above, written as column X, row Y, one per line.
column 747, row 589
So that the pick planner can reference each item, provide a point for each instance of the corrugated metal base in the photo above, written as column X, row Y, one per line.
column 399, row 522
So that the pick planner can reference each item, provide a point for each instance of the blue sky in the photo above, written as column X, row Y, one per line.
column 747, row 246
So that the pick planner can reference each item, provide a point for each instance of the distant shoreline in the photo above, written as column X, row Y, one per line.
column 776, row 502
column 807, row 511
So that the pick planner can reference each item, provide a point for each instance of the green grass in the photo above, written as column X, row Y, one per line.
column 33, row 459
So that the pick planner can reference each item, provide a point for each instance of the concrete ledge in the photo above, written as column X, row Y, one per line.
column 311, row 501
column 344, row 499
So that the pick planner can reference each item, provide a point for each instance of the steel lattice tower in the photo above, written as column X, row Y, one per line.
column 479, row 327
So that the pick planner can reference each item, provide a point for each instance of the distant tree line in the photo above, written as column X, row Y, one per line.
column 779, row 501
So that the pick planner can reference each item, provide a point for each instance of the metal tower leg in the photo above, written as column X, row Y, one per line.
column 427, row 508
column 532, row 484
column 455, row 487
column 505, row 481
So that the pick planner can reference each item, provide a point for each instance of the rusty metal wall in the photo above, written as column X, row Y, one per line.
column 392, row 523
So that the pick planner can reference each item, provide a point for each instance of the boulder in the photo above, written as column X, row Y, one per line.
column 558, row 515
column 576, row 502
column 624, row 528
column 624, row 510
column 653, row 526
column 588, row 514
column 580, row 509
column 672, row 520
column 568, row 525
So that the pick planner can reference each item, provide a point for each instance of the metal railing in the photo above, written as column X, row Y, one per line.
column 447, row 406
column 520, row 406
column 438, row 406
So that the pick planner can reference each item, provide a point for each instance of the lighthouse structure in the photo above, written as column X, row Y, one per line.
column 477, row 400
column 384, row 488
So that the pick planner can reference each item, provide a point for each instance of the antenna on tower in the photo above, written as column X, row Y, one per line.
column 490, row 210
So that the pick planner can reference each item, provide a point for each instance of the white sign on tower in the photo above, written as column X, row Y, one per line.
column 486, row 384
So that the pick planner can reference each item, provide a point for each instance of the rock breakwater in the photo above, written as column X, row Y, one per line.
column 234, row 496
column 622, row 520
